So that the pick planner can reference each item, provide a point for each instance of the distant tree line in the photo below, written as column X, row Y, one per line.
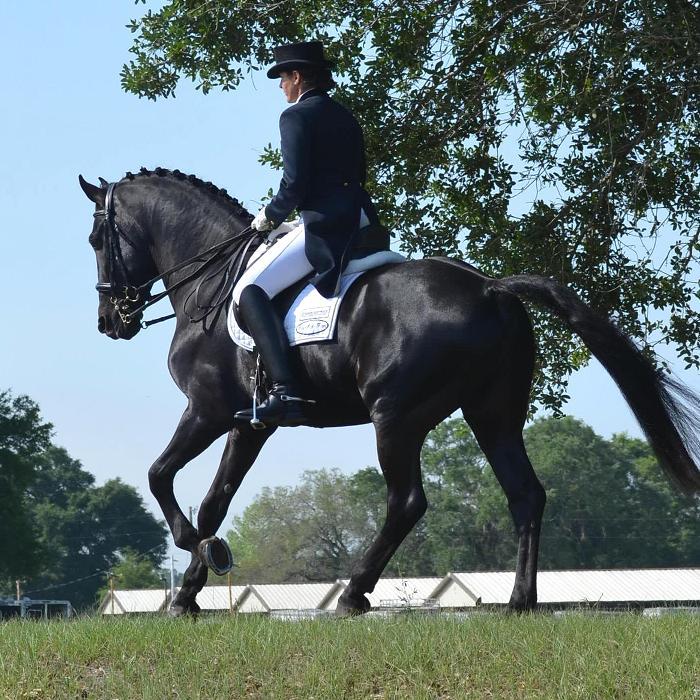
column 609, row 506
column 60, row 533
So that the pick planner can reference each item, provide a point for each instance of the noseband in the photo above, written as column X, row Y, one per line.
column 130, row 300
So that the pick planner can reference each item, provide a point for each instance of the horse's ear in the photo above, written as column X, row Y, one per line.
column 93, row 192
column 103, row 183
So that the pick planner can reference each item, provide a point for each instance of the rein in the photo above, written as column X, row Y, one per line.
column 128, row 295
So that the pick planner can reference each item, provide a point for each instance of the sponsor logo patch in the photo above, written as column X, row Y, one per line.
column 311, row 327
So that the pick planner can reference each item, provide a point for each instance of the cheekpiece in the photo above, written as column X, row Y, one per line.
column 290, row 56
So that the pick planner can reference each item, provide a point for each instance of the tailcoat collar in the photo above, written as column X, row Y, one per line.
column 310, row 93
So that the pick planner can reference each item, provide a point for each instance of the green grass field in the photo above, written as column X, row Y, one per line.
column 489, row 656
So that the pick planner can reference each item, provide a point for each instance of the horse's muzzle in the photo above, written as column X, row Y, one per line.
column 116, row 329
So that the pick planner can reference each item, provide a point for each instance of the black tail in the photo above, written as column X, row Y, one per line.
column 668, row 411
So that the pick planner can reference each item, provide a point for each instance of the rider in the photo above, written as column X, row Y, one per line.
column 323, row 157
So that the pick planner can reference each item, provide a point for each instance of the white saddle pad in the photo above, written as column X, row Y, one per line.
column 312, row 318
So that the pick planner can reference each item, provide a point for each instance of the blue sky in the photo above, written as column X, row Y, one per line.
column 113, row 404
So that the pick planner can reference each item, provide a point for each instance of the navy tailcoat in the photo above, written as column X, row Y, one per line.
column 323, row 155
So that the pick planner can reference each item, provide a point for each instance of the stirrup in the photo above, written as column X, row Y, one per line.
column 287, row 403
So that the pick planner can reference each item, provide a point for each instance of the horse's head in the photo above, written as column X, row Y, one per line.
column 123, row 263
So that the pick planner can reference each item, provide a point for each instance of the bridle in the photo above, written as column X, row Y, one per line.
column 131, row 300
column 121, row 297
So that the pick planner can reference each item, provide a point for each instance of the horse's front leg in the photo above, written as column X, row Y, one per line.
column 242, row 448
column 193, row 435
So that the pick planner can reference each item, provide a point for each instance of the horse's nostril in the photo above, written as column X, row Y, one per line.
column 101, row 324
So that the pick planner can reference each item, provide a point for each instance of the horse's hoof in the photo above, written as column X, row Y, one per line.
column 350, row 606
column 521, row 605
column 184, row 610
column 215, row 554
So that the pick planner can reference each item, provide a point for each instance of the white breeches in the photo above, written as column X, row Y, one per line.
column 278, row 267
column 282, row 264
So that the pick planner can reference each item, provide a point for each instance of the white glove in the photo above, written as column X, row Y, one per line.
column 261, row 222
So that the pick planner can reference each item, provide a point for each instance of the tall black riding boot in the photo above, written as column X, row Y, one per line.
column 283, row 406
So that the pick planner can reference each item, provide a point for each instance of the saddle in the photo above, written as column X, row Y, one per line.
column 308, row 316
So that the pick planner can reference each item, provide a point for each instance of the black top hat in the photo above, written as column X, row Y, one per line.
column 290, row 56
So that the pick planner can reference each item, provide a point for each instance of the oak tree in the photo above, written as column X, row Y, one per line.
column 550, row 137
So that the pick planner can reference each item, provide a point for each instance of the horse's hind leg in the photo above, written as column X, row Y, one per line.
column 242, row 448
column 506, row 453
column 399, row 457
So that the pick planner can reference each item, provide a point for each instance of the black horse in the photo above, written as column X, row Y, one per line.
column 415, row 342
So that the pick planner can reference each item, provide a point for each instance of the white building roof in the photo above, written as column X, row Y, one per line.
column 607, row 586
column 133, row 601
column 218, row 598
column 399, row 591
column 405, row 590
column 283, row 596
column 145, row 601
column 456, row 590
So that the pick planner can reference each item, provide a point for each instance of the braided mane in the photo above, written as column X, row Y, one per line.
column 208, row 187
